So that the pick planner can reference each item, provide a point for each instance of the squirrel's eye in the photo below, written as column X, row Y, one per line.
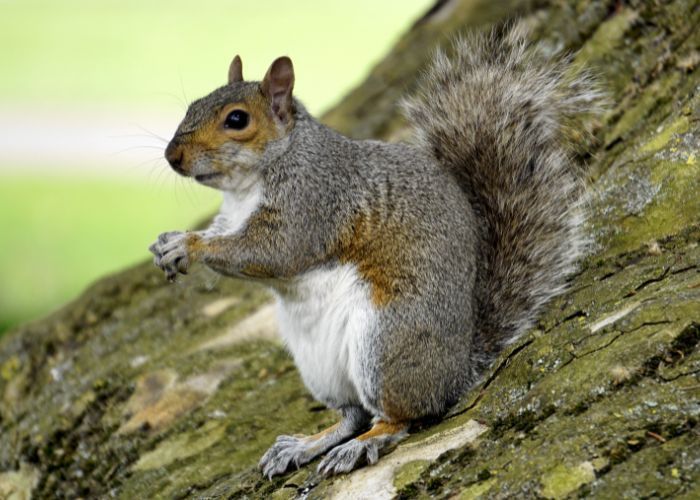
column 237, row 120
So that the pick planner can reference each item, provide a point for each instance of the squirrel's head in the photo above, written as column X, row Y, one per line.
column 228, row 133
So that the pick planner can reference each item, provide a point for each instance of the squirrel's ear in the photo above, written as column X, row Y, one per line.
column 277, row 87
column 235, row 71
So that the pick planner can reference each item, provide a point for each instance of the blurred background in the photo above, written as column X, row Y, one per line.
column 92, row 90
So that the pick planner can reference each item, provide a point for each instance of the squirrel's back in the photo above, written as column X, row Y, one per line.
column 494, row 113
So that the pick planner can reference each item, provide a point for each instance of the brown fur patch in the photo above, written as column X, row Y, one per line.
column 267, row 129
column 382, row 428
column 260, row 131
column 259, row 228
column 195, row 244
column 324, row 432
column 316, row 438
column 377, row 248
column 256, row 271
column 392, row 407
column 264, row 220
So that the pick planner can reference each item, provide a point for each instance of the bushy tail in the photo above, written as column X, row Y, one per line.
column 498, row 115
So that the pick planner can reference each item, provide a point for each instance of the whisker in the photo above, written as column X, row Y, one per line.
column 189, row 186
column 150, row 176
column 152, row 134
column 150, row 162
column 173, row 96
column 129, row 136
column 132, row 148
column 191, row 193
column 183, row 189
column 162, row 178
column 182, row 88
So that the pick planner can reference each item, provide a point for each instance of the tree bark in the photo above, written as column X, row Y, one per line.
column 144, row 389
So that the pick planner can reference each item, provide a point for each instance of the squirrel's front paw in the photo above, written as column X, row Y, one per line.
column 171, row 253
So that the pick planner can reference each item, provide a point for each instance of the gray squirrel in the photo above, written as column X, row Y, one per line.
column 400, row 271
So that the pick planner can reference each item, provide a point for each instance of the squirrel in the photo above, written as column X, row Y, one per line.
column 400, row 270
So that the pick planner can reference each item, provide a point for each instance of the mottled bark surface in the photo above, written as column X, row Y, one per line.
column 143, row 389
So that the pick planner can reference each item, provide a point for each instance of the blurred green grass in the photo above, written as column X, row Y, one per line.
column 104, row 225
column 64, row 226
column 144, row 52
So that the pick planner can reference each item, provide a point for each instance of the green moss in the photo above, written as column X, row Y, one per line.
column 642, row 106
column 607, row 37
column 476, row 490
column 661, row 458
column 181, row 446
column 563, row 480
column 408, row 473
column 284, row 494
column 661, row 140
column 10, row 367
column 667, row 212
column 19, row 484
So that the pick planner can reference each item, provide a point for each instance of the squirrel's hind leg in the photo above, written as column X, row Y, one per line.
column 365, row 448
column 299, row 450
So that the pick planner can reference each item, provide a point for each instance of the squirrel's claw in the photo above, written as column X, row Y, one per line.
column 182, row 264
column 170, row 254
column 287, row 451
column 166, row 237
column 350, row 455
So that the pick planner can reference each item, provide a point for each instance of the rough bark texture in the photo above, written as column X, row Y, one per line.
column 143, row 389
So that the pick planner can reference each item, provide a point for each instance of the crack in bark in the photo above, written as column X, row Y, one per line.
column 491, row 378
column 601, row 333
column 619, row 455
column 684, row 269
column 599, row 348
column 648, row 282
column 681, row 375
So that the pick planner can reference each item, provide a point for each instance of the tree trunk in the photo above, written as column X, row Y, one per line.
column 144, row 389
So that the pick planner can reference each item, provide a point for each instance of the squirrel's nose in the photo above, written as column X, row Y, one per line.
column 173, row 153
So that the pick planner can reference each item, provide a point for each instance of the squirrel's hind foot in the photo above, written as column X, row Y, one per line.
column 288, row 450
column 364, row 449
column 300, row 450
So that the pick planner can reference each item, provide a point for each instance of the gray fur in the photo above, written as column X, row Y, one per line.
column 480, row 221
column 494, row 114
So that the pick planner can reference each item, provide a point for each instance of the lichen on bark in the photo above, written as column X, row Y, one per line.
column 143, row 389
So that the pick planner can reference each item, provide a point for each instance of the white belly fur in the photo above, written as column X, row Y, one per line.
column 325, row 318
column 236, row 209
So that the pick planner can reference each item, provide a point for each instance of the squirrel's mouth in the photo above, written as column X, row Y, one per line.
column 206, row 177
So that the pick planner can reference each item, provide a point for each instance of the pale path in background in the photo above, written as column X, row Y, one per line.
column 111, row 140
